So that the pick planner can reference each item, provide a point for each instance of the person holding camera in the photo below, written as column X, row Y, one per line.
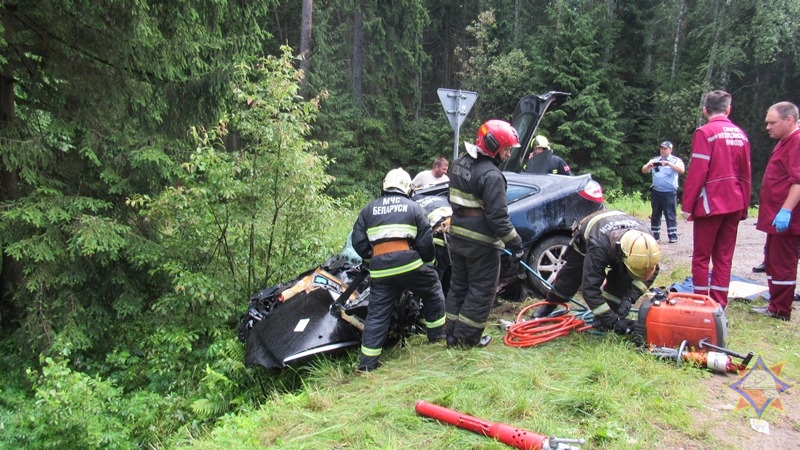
column 664, row 191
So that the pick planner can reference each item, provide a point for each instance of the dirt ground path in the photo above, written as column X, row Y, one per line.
column 729, row 429
column 749, row 249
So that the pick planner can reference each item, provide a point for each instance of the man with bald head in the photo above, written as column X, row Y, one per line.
column 778, row 210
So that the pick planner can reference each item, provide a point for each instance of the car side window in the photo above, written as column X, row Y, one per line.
column 515, row 192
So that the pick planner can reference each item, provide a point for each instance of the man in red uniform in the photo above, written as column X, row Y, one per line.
column 778, row 213
column 716, row 195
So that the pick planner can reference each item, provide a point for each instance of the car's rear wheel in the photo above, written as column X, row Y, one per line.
column 546, row 257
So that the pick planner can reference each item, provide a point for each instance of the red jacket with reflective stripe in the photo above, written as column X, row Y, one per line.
column 783, row 170
column 718, row 179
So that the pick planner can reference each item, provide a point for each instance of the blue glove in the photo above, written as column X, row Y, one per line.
column 781, row 221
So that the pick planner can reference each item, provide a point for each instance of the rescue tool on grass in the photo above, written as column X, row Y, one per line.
column 507, row 434
column 719, row 361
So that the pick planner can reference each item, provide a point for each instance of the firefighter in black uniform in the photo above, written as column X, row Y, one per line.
column 555, row 164
column 479, row 230
column 438, row 211
column 393, row 235
column 613, row 241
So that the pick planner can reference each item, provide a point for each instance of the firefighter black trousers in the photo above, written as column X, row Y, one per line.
column 385, row 292
column 475, row 272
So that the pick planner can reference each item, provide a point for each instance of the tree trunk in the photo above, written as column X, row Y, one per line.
column 648, row 59
column 358, row 49
column 676, row 42
column 611, row 10
column 517, row 24
column 712, row 54
column 305, row 35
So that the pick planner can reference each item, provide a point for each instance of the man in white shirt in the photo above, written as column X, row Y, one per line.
column 434, row 176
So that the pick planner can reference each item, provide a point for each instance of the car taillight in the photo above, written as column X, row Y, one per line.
column 593, row 192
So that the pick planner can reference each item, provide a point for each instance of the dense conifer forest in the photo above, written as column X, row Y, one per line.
column 162, row 160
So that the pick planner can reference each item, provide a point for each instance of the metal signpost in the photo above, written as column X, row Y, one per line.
column 457, row 104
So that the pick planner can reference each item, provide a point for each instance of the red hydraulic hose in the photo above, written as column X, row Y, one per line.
column 527, row 333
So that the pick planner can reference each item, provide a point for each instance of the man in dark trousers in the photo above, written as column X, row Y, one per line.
column 664, row 190
column 716, row 195
column 614, row 259
column 778, row 211
column 393, row 235
column 479, row 230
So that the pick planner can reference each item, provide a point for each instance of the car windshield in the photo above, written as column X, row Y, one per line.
column 348, row 252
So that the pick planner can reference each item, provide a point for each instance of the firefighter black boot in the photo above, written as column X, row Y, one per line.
column 435, row 335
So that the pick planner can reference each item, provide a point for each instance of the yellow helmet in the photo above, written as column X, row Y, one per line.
column 397, row 180
column 540, row 141
column 640, row 253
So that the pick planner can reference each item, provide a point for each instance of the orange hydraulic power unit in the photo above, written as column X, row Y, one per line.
column 668, row 320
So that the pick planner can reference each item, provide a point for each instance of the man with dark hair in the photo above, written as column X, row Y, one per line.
column 438, row 174
column 664, row 191
column 778, row 211
column 716, row 195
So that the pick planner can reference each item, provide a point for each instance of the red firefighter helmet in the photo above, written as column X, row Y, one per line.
column 494, row 135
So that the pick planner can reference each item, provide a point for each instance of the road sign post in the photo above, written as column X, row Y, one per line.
column 457, row 104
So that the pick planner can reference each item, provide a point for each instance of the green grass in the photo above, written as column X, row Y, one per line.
column 599, row 387
column 631, row 203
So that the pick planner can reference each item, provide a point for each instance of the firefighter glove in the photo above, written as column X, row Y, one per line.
column 515, row 246
column 517, row 256
column 623, row 326
column 782, row 219
column 625, row 307
column 605, row 322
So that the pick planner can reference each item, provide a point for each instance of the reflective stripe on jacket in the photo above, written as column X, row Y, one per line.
column 478, row 183
column 391, row 217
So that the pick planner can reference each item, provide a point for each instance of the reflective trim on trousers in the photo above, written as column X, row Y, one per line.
column 371, row 351
column 471, row 323
column 436, row 323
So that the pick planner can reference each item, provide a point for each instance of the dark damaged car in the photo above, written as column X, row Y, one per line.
column 322, row 311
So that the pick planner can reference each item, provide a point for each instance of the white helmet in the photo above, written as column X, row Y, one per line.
column 540, row 141
column 397, row 180
column 640, row 253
